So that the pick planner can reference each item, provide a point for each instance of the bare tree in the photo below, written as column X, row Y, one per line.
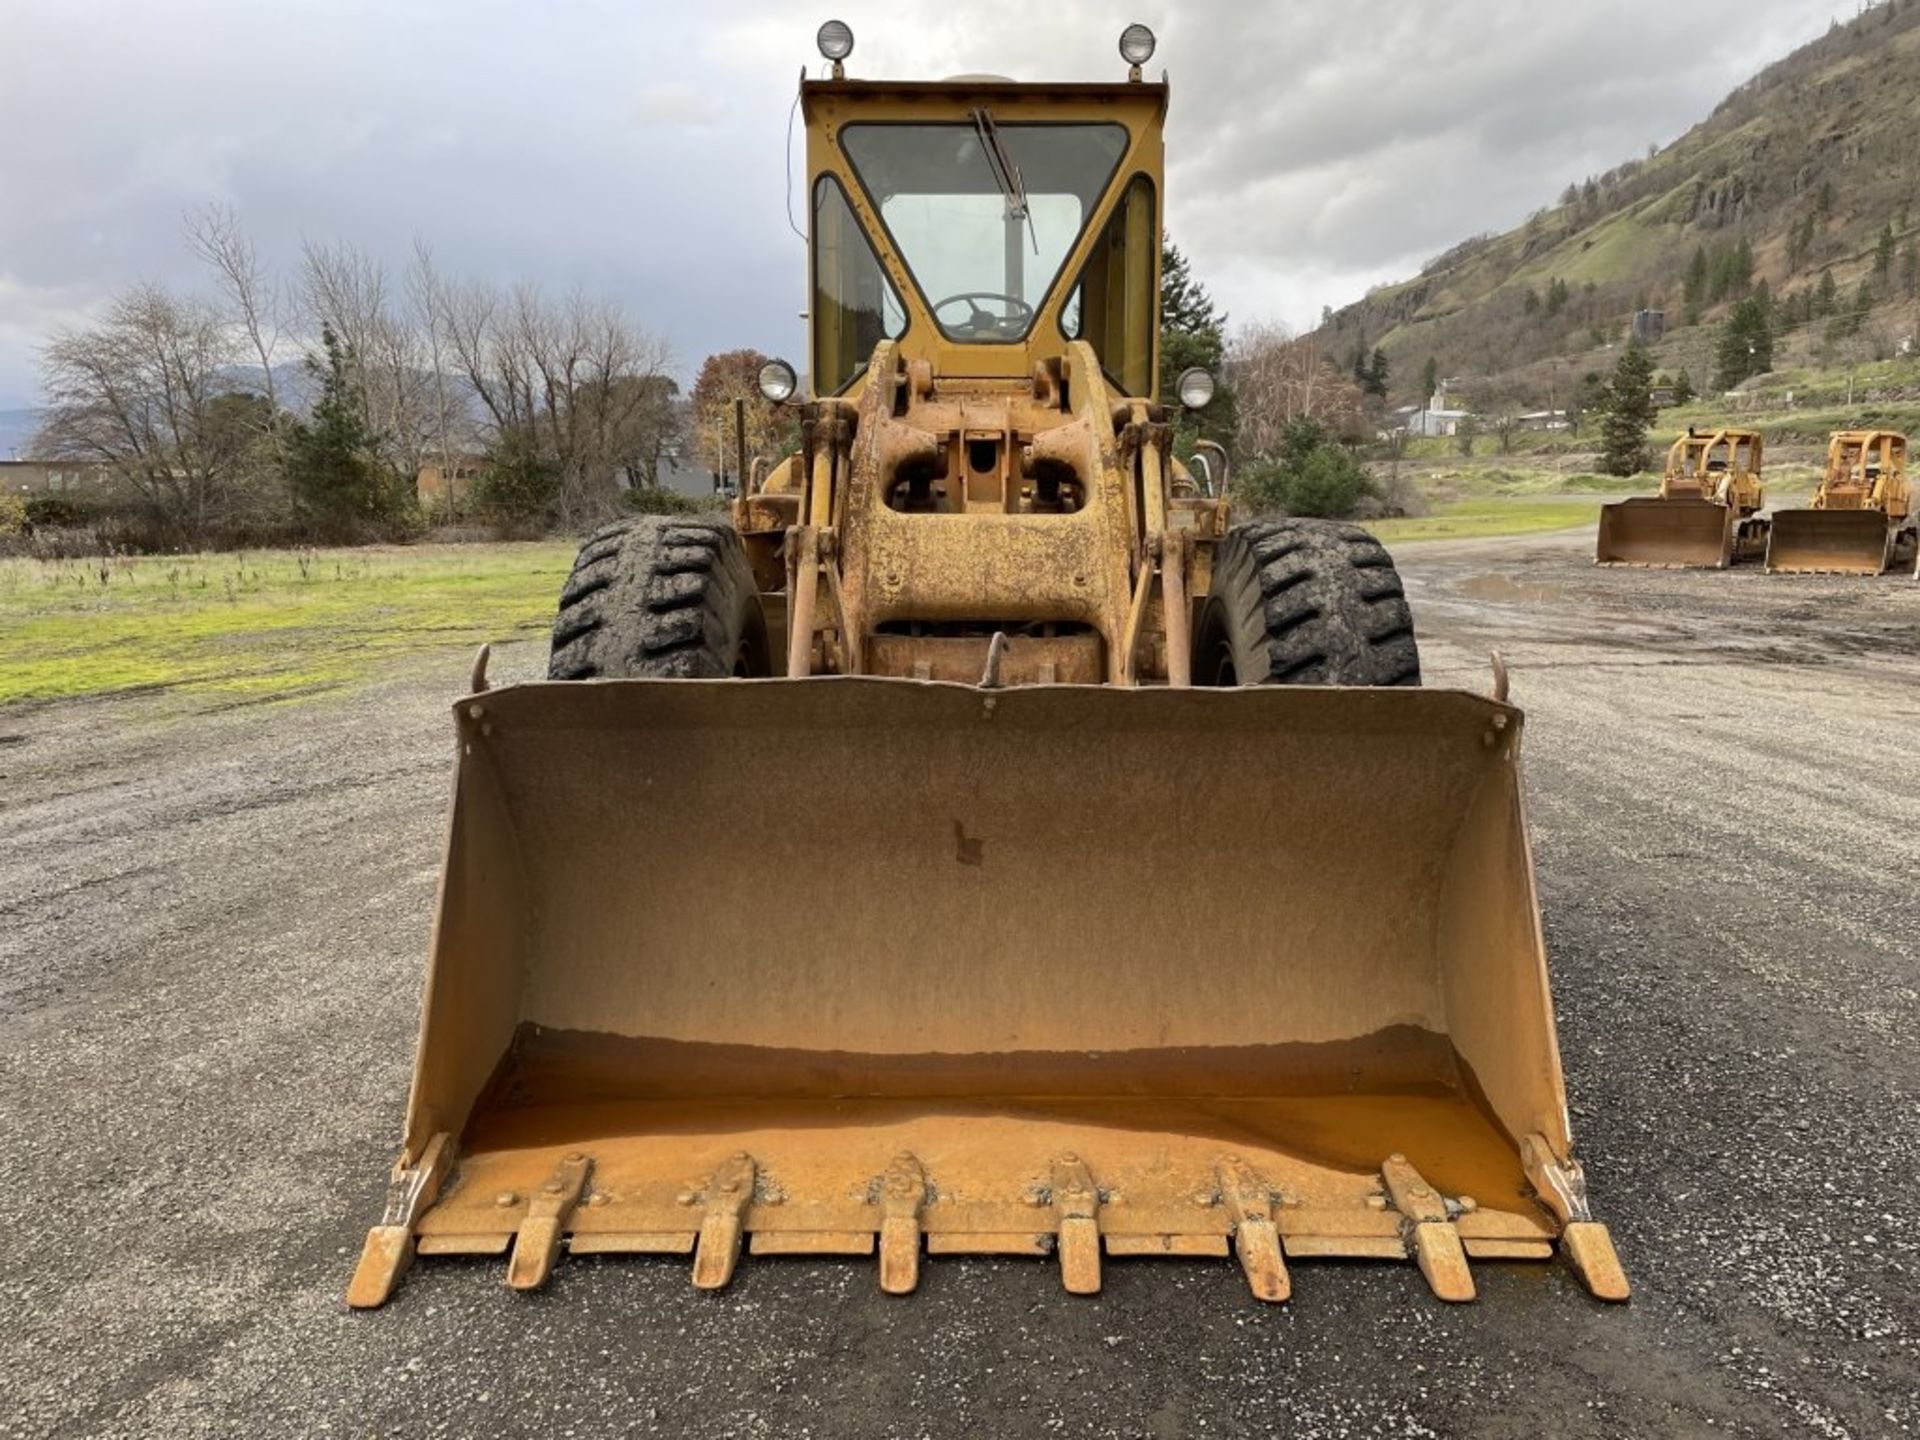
column 575, row 379
column 427, row 299
column 216, row 236
column 1279, row 378
column 347, row 290
column 148, row 393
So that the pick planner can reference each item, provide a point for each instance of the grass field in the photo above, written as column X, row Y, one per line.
column 1477, row 519
column 263, row 624
column 276, row 624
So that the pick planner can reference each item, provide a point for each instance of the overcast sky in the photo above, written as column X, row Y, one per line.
column 1315, row 147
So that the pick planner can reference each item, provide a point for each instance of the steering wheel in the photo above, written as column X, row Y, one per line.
column 981, row 321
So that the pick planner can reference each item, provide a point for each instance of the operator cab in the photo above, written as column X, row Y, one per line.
column 983, row 225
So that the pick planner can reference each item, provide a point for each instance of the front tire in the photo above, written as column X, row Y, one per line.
column 660, row 597
column 1304, row 602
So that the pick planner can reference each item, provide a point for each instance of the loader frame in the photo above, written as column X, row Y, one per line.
column 1706, row 515
column 953, row 489
column 1861, row 520
column 982, row 1012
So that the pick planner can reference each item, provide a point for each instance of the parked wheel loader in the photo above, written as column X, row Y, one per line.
column 1861, row 521
column 980, row 841
column 1706, row 515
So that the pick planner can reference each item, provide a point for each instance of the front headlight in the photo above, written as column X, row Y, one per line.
column 1136, row 44
column 777, row 381
column 1196, row 388
column 835, row 40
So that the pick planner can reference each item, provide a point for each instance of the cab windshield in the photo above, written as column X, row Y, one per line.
column 984, row 215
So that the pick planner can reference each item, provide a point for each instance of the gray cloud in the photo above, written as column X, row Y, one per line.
column 638, row 150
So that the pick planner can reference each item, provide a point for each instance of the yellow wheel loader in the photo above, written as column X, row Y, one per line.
column 1706, row 515
column 1862, row 520
column 977, row 843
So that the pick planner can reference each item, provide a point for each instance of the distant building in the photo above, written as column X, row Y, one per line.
column 444, row 482
column 1544, row 420
column 56, row 477
column 1649, row 325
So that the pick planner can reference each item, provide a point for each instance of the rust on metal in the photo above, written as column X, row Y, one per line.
column 1073, row 954
column 728, row 1193
column 537, row 1243
column 903, row 1193
column 389, row 1247
column 1561, row 1185
column 1076, row 1210
column 1250, row 1202
column 1435, row 1242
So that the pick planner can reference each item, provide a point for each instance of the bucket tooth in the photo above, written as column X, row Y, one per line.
column 537, row 1244
column 903, row 1192
column 728, row 1193
column 1589, row 1250
column 1076, row 1206
column 390, row 1246
column 1433, row 1236
column 1256, row 1240
column 1585, row 1244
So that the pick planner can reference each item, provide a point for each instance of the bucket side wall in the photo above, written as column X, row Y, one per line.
column 474, row 980
column 1493, row 964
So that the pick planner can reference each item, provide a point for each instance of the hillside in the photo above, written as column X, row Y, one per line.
column 1794, row 183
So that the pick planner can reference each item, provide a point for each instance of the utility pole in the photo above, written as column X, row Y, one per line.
column 740, row 445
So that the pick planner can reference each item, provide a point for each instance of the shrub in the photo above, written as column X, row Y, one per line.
column 1311, row 475
column 658, row 500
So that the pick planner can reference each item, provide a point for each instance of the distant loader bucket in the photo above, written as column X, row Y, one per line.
column 1667, row 534
column 1054, row 971
column 1829, row 542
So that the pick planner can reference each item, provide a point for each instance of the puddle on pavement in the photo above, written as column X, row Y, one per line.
column 1506, row 588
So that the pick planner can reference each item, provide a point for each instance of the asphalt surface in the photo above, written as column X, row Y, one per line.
column 211, row 936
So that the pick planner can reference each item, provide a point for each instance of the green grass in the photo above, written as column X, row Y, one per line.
column 263, row 624
column 1478, row 519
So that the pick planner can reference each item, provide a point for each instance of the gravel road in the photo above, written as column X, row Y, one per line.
column 211, row 932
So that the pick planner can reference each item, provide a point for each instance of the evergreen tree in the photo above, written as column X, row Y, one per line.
column 1693, row 289
column 1429, row 379
column 1193, row 334
column 1847, row 323
column 1800, row 244
column 1910, row 271
column 1372, row 375
column 1883, row 256
column 1629, row 414
column 336, row 481
column 1185, row 306
column 519, row 481
column 1827, row 298
column 1309, row 474
column 1746, row 344
column 1683, row 392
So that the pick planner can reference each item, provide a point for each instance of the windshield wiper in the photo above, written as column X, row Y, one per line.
column 1005, row 173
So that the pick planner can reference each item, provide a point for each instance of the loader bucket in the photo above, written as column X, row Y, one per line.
column 897, row 968
column 1666, row 534
column 1829, row 542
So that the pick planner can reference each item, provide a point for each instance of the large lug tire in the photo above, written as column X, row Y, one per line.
column 1304, row 602
column 660, row 597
